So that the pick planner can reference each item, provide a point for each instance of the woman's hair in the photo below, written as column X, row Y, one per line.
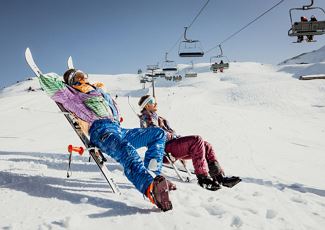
column 142, row 99
column 67, row 74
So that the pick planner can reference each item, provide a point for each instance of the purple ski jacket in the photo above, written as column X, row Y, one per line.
column 89, row 107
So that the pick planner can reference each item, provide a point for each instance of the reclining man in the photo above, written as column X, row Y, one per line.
column 92, row 105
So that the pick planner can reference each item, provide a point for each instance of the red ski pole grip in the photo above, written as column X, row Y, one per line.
column 79, row 150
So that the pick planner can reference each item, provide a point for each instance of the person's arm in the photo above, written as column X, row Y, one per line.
column 100, row 85
column 164, row 124
column 51, row 84
column 148, row 120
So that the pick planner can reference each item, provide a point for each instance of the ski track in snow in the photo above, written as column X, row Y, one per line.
column 265, row 125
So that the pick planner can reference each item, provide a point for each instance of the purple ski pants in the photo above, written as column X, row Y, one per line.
column 193, row 147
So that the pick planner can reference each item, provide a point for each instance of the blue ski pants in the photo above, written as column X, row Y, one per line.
column 121, row 144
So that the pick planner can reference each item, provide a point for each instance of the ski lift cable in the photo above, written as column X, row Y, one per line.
column 244, row 27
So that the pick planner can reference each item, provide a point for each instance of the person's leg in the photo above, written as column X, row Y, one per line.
column 193, row 147
column 213, row 164
column 111, row 143
column 189, row 147
column 215, row 170
column 152, row 138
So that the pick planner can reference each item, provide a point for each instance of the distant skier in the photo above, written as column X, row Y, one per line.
column 96, row 108
column 188, row 147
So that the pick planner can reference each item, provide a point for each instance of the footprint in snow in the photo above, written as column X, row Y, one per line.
column 298, row 200
column 215, row 211
column 257, row 194
column 236, row 222
column 270, row 214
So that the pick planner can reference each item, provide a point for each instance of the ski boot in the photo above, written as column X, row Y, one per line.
column 158, row 193
column 228, row 181
column 207, row 183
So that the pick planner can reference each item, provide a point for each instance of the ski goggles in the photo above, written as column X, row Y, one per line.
column 150, row 100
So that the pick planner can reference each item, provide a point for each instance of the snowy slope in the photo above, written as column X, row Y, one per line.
column 307, row 58
column 265, row 125
column 312, row 63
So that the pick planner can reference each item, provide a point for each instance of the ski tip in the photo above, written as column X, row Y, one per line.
column 70, row 63
column 27, row 51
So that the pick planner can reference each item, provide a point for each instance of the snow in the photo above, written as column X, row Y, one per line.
column 311, row 57
column 265, row 125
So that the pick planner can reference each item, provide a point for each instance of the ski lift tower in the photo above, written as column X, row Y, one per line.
column 152, row 69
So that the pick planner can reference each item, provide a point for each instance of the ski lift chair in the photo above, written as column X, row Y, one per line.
column 215, row 66
column 144, row 79
column 170, row 69
column 168, row 65
column 159, row 74
column 309, row 28
column 190, row 48
column 191, row 74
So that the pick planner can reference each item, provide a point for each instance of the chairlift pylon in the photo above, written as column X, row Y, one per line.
column 306, row 28
column 189, row 47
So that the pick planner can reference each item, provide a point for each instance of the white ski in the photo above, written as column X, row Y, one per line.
column 70, row 63
column 31, row 63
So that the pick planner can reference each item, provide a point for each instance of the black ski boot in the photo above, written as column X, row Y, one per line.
column 228, row 181
column 207, row 183
column 214, row 169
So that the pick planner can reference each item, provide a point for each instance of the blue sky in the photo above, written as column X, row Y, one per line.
column 111, row 37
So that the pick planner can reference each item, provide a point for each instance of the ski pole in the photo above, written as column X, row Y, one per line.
column 79, row 150
column 132, row 107
column 72, row 149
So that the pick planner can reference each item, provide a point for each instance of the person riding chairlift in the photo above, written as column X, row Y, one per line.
column 311, row 37
column 221, row 68
column 300, row 38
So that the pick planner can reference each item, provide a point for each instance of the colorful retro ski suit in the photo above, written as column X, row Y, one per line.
column 99, row 110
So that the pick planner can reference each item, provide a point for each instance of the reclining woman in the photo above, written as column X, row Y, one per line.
column 209, row 173
column 93, row 106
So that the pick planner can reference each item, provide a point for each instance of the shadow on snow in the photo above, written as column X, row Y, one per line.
column 280, row 186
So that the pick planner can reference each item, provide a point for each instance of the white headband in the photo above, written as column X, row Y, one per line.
column 145, row 102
